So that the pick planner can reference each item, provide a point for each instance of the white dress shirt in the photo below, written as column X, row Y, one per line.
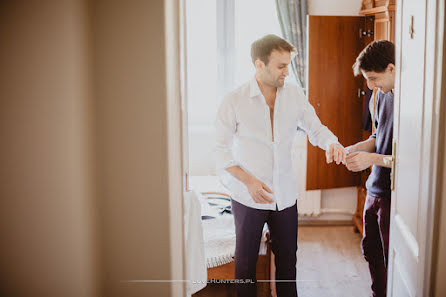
column 244, row 138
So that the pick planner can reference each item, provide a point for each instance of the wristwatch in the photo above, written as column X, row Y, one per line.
column 388, row 160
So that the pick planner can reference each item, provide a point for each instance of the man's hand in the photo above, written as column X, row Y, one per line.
column 350, row 149
column 335, row 152
column 257, row 190
column 359, row 161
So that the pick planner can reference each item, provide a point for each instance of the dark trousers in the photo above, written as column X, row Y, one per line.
column 282, row 225
column 375, row 241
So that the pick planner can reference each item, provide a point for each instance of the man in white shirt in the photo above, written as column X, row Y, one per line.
column 255, row 127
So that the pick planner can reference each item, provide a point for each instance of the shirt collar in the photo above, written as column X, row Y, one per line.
column 254, row 89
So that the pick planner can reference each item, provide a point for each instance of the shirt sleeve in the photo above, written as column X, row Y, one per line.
column 318, row 134
column 225, row 128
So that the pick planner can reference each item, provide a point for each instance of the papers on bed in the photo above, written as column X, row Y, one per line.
column 214, row 205
column 218, row 223
column 219, row 240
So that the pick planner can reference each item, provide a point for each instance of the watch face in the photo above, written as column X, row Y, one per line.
column 387, row 160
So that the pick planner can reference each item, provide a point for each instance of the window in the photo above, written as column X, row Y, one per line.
column 219, row 37
column 219, row 34
column 253, row 19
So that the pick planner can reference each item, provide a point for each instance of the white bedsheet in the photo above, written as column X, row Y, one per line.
column 219, row 240
column 196, row 272
column 218, row 233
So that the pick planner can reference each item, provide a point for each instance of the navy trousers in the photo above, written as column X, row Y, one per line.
column 375, row 241
column 282, row 225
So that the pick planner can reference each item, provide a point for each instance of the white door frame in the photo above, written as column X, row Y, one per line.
column 433, row 117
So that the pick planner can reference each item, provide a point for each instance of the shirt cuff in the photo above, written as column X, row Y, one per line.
column 330, row 142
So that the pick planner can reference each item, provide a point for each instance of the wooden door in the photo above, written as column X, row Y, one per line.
column 334, row 44
column 416, row 134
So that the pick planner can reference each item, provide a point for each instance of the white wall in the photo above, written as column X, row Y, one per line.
column 201, row 150
column 47, row 212
column 91, row 190
column 136, row 89
column 338, row 7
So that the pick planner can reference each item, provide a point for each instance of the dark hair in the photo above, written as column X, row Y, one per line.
column 375, row 57
column 262, row 48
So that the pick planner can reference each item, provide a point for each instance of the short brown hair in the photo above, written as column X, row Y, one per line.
column 375, row 57
column 262, row 48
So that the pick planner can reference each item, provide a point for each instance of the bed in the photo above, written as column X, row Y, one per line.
column 219, row 236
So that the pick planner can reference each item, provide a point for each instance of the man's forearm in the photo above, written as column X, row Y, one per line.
column 240, row 174
column 365, row 146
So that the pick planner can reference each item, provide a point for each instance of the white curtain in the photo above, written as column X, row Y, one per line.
column 292, row 16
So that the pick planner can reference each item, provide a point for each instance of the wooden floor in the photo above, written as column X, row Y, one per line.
column 329, row 263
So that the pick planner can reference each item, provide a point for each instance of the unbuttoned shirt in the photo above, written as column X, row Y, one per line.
column 244, row 138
